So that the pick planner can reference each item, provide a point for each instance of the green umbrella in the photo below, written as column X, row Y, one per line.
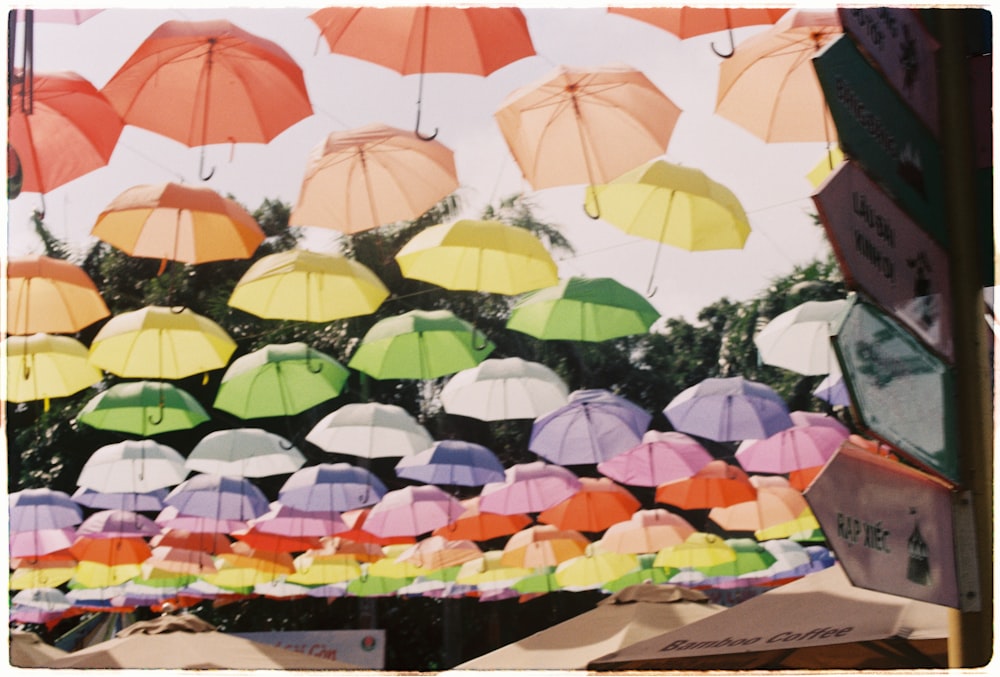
column 143, row 408
column 645, row 572
column 419, row 344
column 750, row 556
column 279, row 380
column 376, row 586
column 540, row 582
column 583, row 309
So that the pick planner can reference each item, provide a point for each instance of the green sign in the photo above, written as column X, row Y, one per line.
column 880, row 132
column 904, row 393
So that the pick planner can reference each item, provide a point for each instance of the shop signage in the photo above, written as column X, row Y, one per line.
column 364, row 648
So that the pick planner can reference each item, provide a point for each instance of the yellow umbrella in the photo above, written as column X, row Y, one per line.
column 486, row 256
column 43, row 366
column 806, row 521
column 308, row 287
column 316, row 569
column 245, row 567
column 51, row 296
column 38, row 576
column 391, row 567
column 162, row 343
column 831, row 160
column 699, row 550
column 490, row 569
column 594, row 569
column 96, row 575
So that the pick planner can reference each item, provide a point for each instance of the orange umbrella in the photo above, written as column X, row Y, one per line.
column 211, row 543
column 596, row 506
column 586, row 126
column 332, row 546
column 717, row 484
column 543, row 545
column 802, row 478
column 647, row 531
column 269, row 542
column 206, row 82
column 773, row 505
column 50, row 296
column 170, row 221
column 370, row 176
column 111, row 551
column 481, row 526
column 428, row 39
column 770, row 87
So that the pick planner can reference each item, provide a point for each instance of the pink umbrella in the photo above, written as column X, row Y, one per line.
column 288, row 521
column 32, row 544
column 171, row 518
column 529, row 487
column 809, row 443
column 647, row 531
column 117, row 523
column 412, row 511
column 660, row 457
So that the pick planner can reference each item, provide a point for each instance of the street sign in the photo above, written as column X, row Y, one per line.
column 885, row 254
column 878, row 130
column 889, row 525
column 904, row 394
column 899, row 44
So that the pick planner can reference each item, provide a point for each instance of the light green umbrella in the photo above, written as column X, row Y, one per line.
column 750, row 556
column 143, row 408
column 646, row 572
column 545, row 581
column 583, row 309
column 420, row 344
column 279, row 380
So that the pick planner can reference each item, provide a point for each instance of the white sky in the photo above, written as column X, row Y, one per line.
column 769, row 179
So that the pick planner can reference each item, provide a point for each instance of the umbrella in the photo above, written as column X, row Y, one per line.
column 41, row 573
column 121, row 500
column 419, row 344
column 370, row 176
column 132, row 466
column 833, row 389
column 729, row 409
column 597, row 505
column 32, row 544
column 543, row 545
column 368, row 585
column 645, row 574
column 801, row 446
column 437, row 552
column 484, row 256
column 335, row 487
column 585, row 126
column 280, row 379
column 672, row 204
column 308, row 286
column 473, row 524
column 218, row 497
column 117, row 524
column 357, row 533
column 143, row 408
column 698, row 551
column 244, row 452
column 528, row 487
column 208, row 542
column 660, row 457
column 771, row 506
column 593, row 570
column 594, row 426
column 503, row 389
column 208, row 82
column 452, row 462
column 42, row 366
column 346, row 548
column 111, row 552
column 799, row 339
column 246, row 566
column 315, row 567
column 50, row 296
column 160, row 343
column 583, row 309
column 171, row 518
column 428, row 39
column 804, row 524
column 167, row 559
column 47, row 599
column 750, row 557
column 770, row 87
column 717, row 484
column 412, row 511
column 174, row 222
column 270, row 542
column 43, row 508
column 646, row 531
column 288, row 521
column 370, row 430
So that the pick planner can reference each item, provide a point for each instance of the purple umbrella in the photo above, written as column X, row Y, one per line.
column 331, row 487
column 728, row 410
column 594, row 426
column 33, row 509
column 117, row 523
column 833, row 390
column 660, row 457
column 218, row 497
column 171, row 518
column 412, row 511
column 528, row 487
column 150, row 501
column 452, row 462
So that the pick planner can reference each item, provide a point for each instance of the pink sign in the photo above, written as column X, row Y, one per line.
column 885, row 254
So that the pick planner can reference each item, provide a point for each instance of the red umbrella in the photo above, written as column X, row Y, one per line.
column 596, row 506
column 475, row 525
column 717, row 484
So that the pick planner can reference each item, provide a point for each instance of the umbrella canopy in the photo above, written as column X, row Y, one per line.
column 503, row 389
column 437, row 552
column 244, row 452
column 35, row 543
column 48, row 599
column 485, row 256
column 583, row 309
column 336, row 487
column 717, row 484
column 528, row 487
column 370, row 430
column 160, row 343
column 594, row 426
column 143, row 408
column 729, row 409
column 585, row 126
column 801, row 446
column 308, row 286
column 42, row 366
column 281, row 379
column 543, row 545
column 490, row 570
column 688, row 22
column 660, row 457
column 111, row 552
column 833, row 389
column 452, row 462
column 315, row 567
column 698, row 551
column 132, row 466
column 175, row 222
column 363, row 178
column 208, row 542
column 121, row 500
column 43, row 508
column 597, row 505
column 355, row 519
column 799, row 339
column 592, row 570
column 284, row 520
column 117, row 524
column 772, row 506
column 473, row 524
column 750, row 557
column 218, row 497
column 646, row 531
column 50, row 296
column 170, row 560
column 171, row 518
column 412, row 511
column 419, row 344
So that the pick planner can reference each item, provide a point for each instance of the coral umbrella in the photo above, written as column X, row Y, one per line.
column 659, row 458
column 473, row 524
column 208, row 82
column 503, row 389
column 308, row 287
column 370, row 430
column 111, row 551
column 437, row 552
column 799, row 339
column 339, row 546
column 543, row 545
column 42, row 508
column 646, row 531
column 50, row 296
column 452, row 462
column 335, row 487
column 212, row 543
column 371, row 176
column 729, row 409
column 717, row 484
column 143, row 408
column 132, row 466
column 598, row 504
column 412, row 511
column 172, row 560
column 269, row 542
column 244, row 452
column 528, row 487
column 43, row 366
column 218, row 497
column 795, row 448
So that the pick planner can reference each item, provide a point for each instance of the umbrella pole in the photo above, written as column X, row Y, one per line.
column 420, row 85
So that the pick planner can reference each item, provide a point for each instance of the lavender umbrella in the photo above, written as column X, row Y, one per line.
column 117, row 524
column 121, row 500
column 452, row 462
column 728, row 410
column 33, row 509
column 218, row 497
column 660, row 457
column 833, row 390
column 331, row 487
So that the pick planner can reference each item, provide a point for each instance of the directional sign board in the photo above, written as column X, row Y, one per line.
column 904, row 394
column 885, row 254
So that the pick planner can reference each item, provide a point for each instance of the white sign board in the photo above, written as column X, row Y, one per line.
column 364, row 648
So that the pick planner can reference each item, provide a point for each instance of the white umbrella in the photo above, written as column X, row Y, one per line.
column 132, row 467
column 370, row 430
column 46, row 599
column 799, row 339
column 245, row 452
column 502, row 389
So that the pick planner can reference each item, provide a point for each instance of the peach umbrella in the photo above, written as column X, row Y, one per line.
column 773, row 505
column 437, row 552
column 598, row 504
column 50, row 296
column 647, row 531
column 717, row 484
column 543, row 545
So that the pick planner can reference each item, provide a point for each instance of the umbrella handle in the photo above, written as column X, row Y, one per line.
column 597, row 207
column 201, row 167
column 420, row 96
column 160, row 419
column 309, row 364
column 416, row 128
column 732, row 47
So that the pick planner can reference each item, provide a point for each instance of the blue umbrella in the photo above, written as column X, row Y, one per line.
column 122, row 500
column 335, row 487
column 452, row 462
column 594, row 426
column 728, row 410
column 218, row 497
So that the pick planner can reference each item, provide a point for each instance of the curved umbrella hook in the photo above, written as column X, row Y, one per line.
column 281, row 443
column 201, row 167
column 309, row 364
column 732, row 47
column 416, row 128
column 159, row 420
column 597, row 207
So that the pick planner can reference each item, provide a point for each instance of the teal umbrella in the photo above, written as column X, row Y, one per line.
column 143, row 408
column 583, row 309
column 279, row 380
column 420, row 344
